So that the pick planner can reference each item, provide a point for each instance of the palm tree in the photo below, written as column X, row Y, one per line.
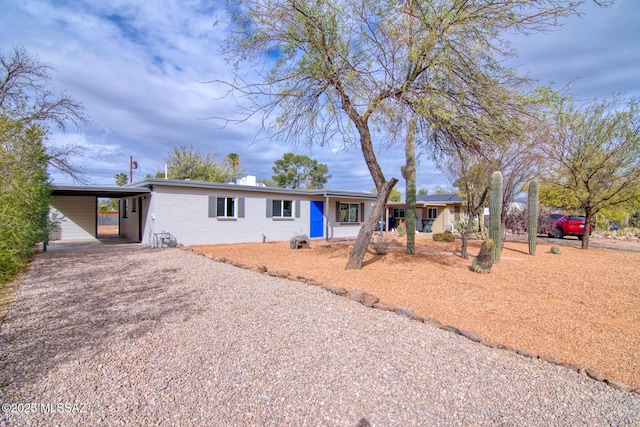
column 121, row 179
column 234, row 161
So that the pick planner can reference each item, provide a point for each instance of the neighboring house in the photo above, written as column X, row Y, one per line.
column 208, row 213
column 434, row 213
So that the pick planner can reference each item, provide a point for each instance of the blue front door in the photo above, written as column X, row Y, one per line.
column 317, row 219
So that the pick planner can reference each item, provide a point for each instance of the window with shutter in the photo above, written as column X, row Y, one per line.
column 212, row 206
column 349, row 212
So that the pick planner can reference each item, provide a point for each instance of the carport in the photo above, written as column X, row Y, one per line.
column 75, row 208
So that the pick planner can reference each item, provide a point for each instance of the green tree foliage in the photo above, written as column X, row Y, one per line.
column 121, row 179
column 28, row 105
column 593, row 157
column 234, row 162
column 107, row 205
column 186, row 162
column 346, row 69
column 394, row 196
column 299, row 171
column 25, row 194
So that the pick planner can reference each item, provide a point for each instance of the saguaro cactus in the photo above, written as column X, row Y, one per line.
column 495, row 211
column 532, row 206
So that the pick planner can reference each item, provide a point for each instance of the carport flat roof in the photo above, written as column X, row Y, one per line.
column 98, row 191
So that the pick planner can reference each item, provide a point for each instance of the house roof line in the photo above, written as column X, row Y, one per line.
column 145, row 186
column 98, row 191
column 150, row 182
column 419, row 203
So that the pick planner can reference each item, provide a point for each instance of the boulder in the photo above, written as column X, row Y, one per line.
column 362, row 297
column 298, row 242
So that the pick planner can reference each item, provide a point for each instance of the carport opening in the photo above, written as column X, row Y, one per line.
column 108, row 213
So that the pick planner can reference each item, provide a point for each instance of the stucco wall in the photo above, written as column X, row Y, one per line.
column 77, row 217
column 131, row 210
column 184, row 213
column 341, row 230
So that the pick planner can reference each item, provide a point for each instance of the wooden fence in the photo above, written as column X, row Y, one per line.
column 108, row 218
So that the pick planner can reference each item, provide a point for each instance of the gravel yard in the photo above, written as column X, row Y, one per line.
column 581, row 307
column 133, row 336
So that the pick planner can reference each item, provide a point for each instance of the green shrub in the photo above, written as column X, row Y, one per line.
column 438, row 237
column 448, row 236
column 24, row 197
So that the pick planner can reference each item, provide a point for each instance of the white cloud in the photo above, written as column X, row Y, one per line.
column 138, row 68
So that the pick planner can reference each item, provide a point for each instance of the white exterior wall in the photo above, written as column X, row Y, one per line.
column 341, row 230
column 129, row 225
column 77, row 217
column 184, row 213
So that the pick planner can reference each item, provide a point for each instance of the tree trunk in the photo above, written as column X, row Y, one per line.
column 409, row 174
column 585, row 235
column 367, row 228
column 382, row 186
column 465, row 236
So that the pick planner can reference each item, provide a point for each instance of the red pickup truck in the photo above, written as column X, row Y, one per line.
column 567, row 225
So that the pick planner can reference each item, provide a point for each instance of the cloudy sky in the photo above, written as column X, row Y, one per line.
column 138, row 68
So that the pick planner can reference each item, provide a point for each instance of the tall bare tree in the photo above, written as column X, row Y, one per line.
column 594, row 156
column 471, row 174
column 344, row 71
column 28, row 97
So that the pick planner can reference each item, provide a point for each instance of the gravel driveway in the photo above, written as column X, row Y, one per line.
column 137, row 336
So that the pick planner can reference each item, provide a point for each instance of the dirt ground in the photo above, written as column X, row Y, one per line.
column 581, row 307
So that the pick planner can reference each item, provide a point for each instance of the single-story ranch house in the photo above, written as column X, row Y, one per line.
column 155, row 211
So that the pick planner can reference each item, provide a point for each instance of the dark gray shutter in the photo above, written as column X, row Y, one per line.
column 240, row 207
column 337, row 211
column 269, row 208
column 297, row 209
column 212, row 207
column 361, row 212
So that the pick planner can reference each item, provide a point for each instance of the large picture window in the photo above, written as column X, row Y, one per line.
column 349, row 212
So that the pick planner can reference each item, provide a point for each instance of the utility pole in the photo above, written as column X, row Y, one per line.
column 132, row 165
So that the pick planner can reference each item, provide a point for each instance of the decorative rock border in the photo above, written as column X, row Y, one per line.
column 372, row 301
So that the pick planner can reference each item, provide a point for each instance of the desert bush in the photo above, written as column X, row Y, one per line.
column 546, row 226
column 380, row 244
column 438, row 237
column 516, row 221
column 448, row 236
column 460, row 225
